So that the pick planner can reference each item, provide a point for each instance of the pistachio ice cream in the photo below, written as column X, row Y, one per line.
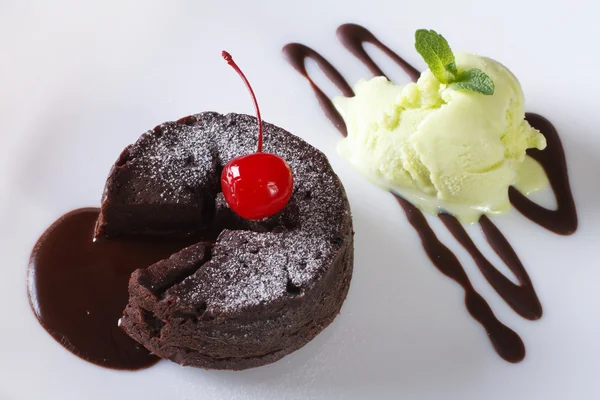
column 441, row 146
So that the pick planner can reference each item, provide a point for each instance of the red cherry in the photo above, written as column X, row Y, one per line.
column 256, row 185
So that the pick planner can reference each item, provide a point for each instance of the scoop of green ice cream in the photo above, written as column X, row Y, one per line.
column 442, row 148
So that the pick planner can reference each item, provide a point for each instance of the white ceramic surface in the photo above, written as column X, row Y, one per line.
column 78, row 82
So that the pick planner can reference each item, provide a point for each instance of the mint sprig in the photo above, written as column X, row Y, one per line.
column 438, row 55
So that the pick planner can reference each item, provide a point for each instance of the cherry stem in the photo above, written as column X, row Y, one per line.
column 227, row 57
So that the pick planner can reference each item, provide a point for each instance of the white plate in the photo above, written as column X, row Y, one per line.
column 79, row 82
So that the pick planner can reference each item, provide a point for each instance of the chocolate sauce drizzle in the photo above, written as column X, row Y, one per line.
column 522, row 298
column 506, row 342
column 563, row 220
column 78, row 287
column 296, row 54
column 353, row 38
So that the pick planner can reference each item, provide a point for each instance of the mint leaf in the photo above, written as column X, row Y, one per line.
column 474, row 80
column 437, row 54
column 452, row 67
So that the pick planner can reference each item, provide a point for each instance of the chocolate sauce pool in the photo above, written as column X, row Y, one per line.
column 522, row 298
column 78, row 287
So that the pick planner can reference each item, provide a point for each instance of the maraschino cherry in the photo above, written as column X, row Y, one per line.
column 256, row 185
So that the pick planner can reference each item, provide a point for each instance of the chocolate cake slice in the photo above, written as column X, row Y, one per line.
column 263, row 288
column 165, row 183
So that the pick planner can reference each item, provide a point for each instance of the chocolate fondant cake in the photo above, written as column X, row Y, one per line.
column 263, row 288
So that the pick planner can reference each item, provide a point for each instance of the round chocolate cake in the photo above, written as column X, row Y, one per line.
column 261, row 289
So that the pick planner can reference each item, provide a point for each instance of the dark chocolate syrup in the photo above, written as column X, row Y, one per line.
column 506, row 342
column 563, row 220
column 296, row 54
column 78, row 287
column 522, row 298
column 353, row 37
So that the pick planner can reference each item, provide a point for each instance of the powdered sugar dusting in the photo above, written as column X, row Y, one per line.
column 179, row 160
column 247, row 268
